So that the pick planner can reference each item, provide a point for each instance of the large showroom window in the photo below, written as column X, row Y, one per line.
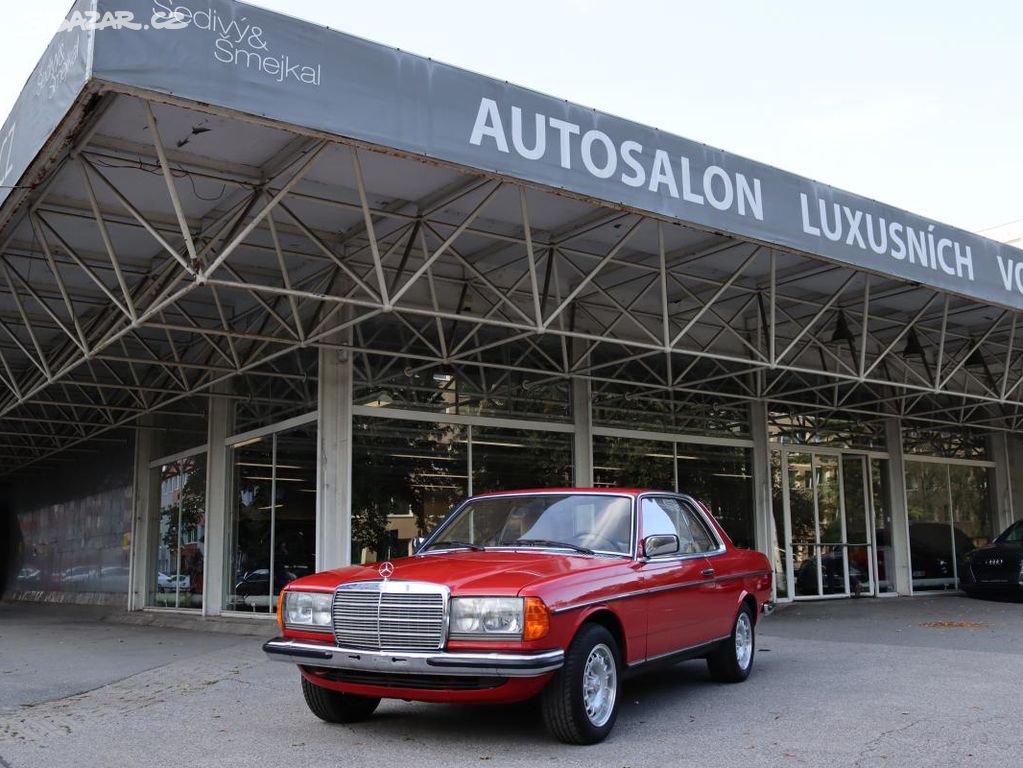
column 464, row 390
column 406, row 475
column 722, row 478
column 177, row 578
column 409, row 473
column 719, row 476
column 880, row 494
column 852, row 433
column 625, row 462
column 511, row 459
column 830, row 522
column 273, row 520
column 949, row 515
column 622, row 407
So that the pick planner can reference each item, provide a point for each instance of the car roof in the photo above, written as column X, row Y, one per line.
column 556, row 491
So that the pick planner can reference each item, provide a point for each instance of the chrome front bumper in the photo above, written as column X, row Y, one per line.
column 313, row 654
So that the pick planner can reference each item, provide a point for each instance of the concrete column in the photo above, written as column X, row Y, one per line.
column 900, row 568
column 334, row 460
column 144, row 525
column 217, row 560
column 763, row 517
column 582, row 447
column 1001, row 493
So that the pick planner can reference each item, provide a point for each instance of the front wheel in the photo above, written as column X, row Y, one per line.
column 733, row 660
column 337, row 707
column 580, row 703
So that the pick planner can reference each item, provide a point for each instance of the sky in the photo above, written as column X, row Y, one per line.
column 916, row 104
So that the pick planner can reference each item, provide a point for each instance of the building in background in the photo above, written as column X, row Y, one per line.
column 281, row 306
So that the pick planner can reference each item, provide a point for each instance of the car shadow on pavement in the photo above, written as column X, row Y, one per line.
column 999, row 597
column 504, row 725
column 492, row 724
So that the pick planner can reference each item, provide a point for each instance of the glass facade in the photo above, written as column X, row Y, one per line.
column 949, row 515
column 462, row 390
column 947, row 443
column 880, row 494
column 798, row 429
column 507, row 459
column 719, row 476
column 273, row 520
column 426, row 437
column 411, row 473
column 407, row 476
column 658, row 411
column 177, row 581
column 722, row 478
column 623, row 462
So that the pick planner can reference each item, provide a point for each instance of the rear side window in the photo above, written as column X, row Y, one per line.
column 701, row 536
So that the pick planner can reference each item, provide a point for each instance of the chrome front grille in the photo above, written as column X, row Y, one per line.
column 390, row 615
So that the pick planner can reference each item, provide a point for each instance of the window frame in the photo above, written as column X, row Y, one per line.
column 685, row 502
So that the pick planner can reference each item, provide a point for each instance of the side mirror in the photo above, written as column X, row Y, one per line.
column 417, row 542
column 660, row 544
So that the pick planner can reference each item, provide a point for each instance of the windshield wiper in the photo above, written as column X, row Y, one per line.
column 550, row 543
column 458, row 544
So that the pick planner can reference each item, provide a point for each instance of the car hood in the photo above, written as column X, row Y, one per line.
column 1003, row 548
column 467, row 572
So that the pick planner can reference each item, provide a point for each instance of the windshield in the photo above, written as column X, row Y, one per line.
column 1013, row 533
column 571, row 521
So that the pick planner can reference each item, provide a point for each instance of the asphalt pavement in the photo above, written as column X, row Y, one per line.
column 906, row 682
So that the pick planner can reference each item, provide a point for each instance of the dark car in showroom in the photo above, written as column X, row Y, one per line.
column 995, row 567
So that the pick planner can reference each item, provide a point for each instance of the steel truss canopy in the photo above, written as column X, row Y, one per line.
column 195, row 195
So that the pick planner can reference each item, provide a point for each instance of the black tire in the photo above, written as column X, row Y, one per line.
column 562, row 700
column 337, row 707
column 725, row 663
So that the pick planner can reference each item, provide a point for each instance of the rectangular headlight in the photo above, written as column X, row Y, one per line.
column 308, row 610
column 485, row 618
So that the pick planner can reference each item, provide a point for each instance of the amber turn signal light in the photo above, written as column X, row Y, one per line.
column 537, row 621
column 280, row 610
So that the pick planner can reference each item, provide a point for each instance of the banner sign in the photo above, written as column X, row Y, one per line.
column 248, row 59
column 44, row 101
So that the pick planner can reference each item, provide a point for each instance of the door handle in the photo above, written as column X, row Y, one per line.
column 707, row 572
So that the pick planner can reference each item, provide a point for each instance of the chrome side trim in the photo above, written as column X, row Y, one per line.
column 655, row 590
column 745, row 575
column 679, row 652
column 474, row 664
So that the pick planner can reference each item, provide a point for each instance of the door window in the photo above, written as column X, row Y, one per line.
column 665, row 515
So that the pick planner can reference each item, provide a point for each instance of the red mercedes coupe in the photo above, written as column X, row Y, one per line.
column 556, row 593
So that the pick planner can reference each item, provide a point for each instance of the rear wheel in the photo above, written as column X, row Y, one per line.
column 733, row 660
column 580, row 703
column 337, row 707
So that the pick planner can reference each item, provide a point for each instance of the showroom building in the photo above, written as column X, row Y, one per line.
column 278, row 306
